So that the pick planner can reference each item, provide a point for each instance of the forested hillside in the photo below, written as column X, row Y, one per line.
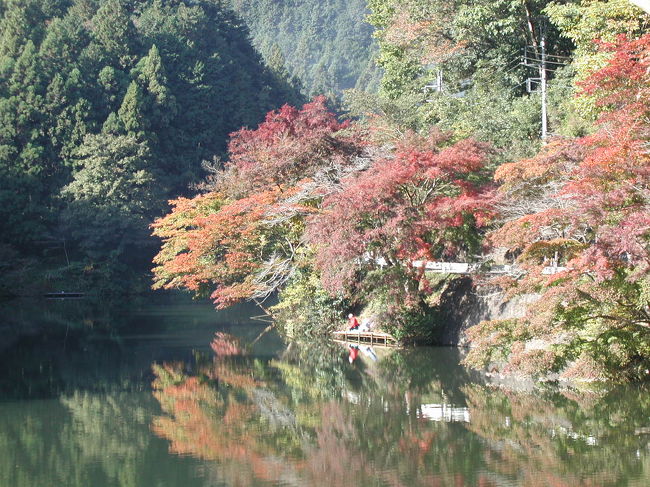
column 107, row 109
column 503, row 133
column 324, row 45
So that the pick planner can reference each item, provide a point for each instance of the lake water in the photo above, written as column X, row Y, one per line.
column 162, row 391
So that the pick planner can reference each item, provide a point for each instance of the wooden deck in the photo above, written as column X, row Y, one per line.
column 366, row 337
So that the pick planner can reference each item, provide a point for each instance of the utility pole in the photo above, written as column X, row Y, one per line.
column 542, row 75
column 436, row 85
column 535, row 56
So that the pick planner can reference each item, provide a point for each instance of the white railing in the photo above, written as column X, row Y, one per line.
column 464, row 267
column 446, row 267
column 553, row 270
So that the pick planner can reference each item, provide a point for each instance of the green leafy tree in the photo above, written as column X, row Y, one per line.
column 159, row 102
column 131, row 112
column 113, row 31
column 63, row 44
column 22, row 21
column 112, row 196
column 459, row 66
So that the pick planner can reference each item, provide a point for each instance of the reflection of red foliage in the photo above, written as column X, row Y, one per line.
column 537, row 445
column 227, row 374
column 522, row 438
column 198, row 422
column 417, row 446
column 336, row 460
column 225, row 345
column 225, row 424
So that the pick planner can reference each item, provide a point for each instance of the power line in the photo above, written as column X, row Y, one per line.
column 539, row 61
column 510, row 67
column 533, row 51
column 559, row 57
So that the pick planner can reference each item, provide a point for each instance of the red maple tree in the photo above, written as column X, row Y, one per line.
column 422, row 201
column 239, row 239
column 583, row 205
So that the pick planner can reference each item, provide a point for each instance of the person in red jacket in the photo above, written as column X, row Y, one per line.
column 353, row 322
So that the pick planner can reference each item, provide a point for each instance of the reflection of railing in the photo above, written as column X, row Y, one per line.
column 64, row 295
column 590, row 440
column 447, row 413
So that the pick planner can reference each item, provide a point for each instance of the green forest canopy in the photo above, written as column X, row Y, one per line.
column 108, row 108
column 324, row 45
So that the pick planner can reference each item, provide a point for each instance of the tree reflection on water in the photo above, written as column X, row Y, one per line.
column 311, row 418
column 562, row 438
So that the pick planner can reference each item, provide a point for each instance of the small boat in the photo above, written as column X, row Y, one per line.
column 63, row 295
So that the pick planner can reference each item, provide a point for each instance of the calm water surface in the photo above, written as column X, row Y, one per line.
column 166, row 392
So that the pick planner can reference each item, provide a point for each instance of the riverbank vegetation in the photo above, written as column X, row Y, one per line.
column 333, row 215
column 111, row 108
column 304, row 194
column 582, row 204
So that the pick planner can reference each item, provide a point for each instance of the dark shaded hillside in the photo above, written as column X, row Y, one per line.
column 107, row 109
